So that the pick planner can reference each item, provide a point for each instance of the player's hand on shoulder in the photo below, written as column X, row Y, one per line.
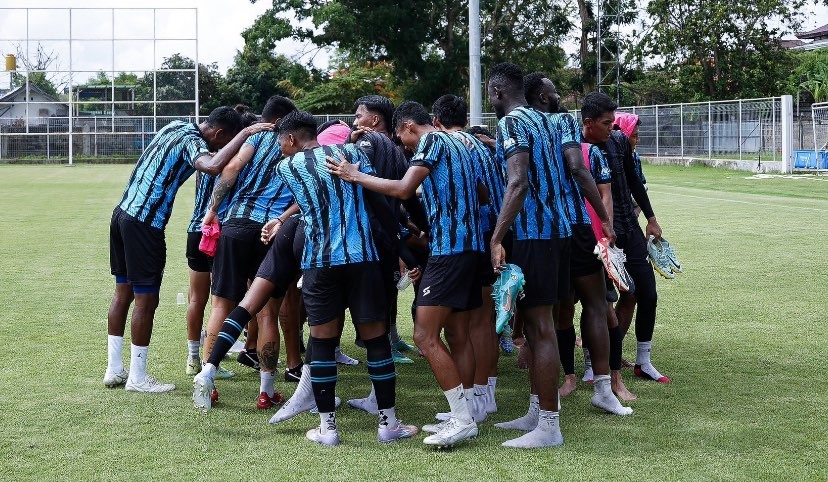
column 339, row 166
column 356, row 134
column 485, row 140
column 259, row 127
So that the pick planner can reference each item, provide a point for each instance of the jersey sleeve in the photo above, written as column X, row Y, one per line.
column 255, row 140
column 638, row 169
column 598, row 166
column 512, row 135
column 570, row 132
column 358, row 155
column 428, row 152
column 194, row 147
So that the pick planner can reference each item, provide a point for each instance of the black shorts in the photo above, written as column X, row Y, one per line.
column 239, row 253
column 281, row 265
column 328, row 291
column 197, row 260
column 582, row 258
column 545, row 265
column 451, row 281
column 137, row 251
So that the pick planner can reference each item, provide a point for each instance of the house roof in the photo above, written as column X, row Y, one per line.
column 8, row 96
column 793, row 43
column 817, row 33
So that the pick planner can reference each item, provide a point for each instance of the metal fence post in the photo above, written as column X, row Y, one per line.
column 773, row 127
column 787, row 133
column 709, row 131
column 740, row 129
column 681, row 128
column 656, row 133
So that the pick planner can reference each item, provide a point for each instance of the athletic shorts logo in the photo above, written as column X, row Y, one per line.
column 427, row 291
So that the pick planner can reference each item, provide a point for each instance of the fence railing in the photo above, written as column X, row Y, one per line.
column 740, row 130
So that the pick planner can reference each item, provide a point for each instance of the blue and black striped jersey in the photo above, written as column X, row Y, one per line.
column 162, row 168
column 203, row 191
column 337, row 224
column 570, row 138
column 598, row 166
column 544, row 213
column 259, row 194
column 449, row 194
column 638, row 170
column 492, row 175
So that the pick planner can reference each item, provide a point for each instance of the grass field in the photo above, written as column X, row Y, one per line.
column 742, row 335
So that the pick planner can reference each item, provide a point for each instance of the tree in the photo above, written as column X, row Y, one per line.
column 36, row 67
column 336, row 93
column 426, row 42
column 810, row 74
column 721, row 49
column 173, row 85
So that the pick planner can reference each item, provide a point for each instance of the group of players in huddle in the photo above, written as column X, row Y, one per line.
column 346, row 212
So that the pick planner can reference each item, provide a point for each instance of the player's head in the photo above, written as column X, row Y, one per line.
column 505, row 87
column 474, row 130
column 628, row 124
column 373, row 111
column 450, row 111
column 276, row 108
column 598, row 114
column 296, row 131
column 541, row 92
column 221, row 127
column 408, row 118
column 248, row 118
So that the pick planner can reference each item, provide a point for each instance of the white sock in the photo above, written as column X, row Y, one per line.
column 588, row 374
column 208, row 370
column 642, row 353
column 192, row 348
column 266, row 382
column 328, row 421
column 605, row 399
column 138, row 363
column 114, row 353
column 388, row 418
column 490, row 398
column 202, row 337
column 458, row 405
column 547, row 420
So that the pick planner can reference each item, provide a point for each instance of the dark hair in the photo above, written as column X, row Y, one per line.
column 298, row 121
column 410, row 110
column 249, row 118
column 379, row 105
column 277, row 107
column 562, row 110
column 597, row 104
column 225, row 118
column 474, row 130
column 507, row 76
column 451, row 110
column 532, row 85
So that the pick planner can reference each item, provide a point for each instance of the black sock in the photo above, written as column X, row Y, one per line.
column 323, row 372
column 230, row 331
column 566, row 348
column 381, row 371
column 616, row 346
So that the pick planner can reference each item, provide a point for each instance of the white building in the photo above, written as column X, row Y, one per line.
column 19, row 104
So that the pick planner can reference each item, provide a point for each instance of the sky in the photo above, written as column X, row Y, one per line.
column 220, row 24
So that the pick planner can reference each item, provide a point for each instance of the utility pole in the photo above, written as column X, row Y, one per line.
column 475, row 81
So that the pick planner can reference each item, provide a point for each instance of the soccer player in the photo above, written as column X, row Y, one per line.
column 598, row 113
column 340, row 269
column 136, row 235
column 586, row 271
column 450, row 115
column 535, row 203
column 200, row 264
column 449, row 288
column 258, row 197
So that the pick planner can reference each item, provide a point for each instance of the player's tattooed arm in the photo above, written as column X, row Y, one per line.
column 517, row 167
column 226, row 181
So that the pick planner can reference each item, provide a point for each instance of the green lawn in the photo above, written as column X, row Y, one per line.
column 742, row 335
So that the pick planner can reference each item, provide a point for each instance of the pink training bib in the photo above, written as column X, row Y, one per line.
column 209, row 238
column 593, row 216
